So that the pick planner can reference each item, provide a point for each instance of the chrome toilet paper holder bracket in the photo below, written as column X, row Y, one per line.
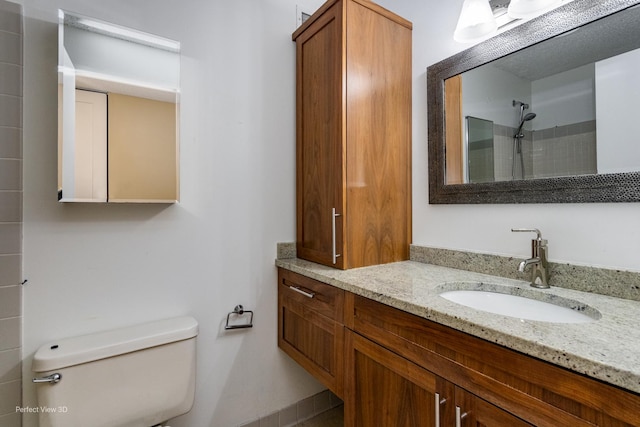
column 240, row 311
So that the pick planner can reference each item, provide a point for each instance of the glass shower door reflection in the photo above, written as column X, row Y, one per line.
column 479, row 150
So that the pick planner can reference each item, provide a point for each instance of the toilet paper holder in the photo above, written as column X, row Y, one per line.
column 240, row 311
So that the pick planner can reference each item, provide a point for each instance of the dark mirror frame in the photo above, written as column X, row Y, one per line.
column 617, row 187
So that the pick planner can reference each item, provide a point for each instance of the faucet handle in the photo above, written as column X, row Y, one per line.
column 533, row 230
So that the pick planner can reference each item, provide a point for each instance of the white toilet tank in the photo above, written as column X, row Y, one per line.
column 137, row 376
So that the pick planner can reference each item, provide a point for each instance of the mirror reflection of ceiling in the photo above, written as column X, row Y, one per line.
column 603, row 39
column 106, row 57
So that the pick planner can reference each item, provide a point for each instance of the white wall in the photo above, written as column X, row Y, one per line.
column 489, row 93
column 564, row 98
column 617, row 84
column 93, row 267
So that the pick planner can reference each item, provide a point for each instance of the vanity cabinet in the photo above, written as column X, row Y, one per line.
column 353, row 135
column 384, row 389
column 310, row 327
column 393, row 368
column 494, row 386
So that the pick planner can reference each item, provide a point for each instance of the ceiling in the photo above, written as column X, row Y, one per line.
column 598, row 40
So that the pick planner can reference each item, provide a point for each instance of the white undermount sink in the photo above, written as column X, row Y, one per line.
column 521, row 307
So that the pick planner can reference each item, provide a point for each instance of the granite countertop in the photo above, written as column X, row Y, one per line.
column 607, row 349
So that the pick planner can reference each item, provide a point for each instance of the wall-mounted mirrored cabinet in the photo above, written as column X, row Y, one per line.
column 118, row 92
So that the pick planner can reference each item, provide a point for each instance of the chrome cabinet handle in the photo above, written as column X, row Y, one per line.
column 307, row 293
column 334, row 215
column 51, row 379
column 438, row 402
column 459, row 416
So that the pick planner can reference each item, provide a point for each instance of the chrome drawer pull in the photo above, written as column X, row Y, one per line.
column 307, row 293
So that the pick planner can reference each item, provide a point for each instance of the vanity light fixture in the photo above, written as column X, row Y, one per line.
column 475, row 22
column 523, row 9
column 482, row 18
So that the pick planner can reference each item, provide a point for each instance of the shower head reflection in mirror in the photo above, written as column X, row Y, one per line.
column 517, row 139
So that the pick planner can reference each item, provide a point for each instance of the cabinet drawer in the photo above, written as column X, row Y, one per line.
column 310, row 328
column 322, row 298
column 536, row 391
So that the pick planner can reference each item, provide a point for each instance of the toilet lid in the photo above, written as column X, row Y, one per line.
column 87, row 348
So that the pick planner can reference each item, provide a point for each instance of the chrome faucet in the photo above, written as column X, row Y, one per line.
column 538, row 260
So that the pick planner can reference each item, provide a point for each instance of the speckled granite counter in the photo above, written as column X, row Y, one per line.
column 607, row 349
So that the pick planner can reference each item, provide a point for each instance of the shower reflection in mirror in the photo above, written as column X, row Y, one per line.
column 518, row 156
column 479, row 151
column 558, row 139
column 117, row 113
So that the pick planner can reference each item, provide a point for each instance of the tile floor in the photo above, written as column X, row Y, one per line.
column 331, row 418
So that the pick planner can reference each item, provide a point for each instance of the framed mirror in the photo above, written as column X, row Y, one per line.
column 560, row 92
column 118, row 108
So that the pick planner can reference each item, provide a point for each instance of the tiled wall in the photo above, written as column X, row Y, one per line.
column 503, row 154
column 293, row 415
column 10, row 212
column 558, row 151
column 565, row 150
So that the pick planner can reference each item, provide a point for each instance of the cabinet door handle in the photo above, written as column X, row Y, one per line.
column 334, row 215
column 459, row 416
column 438, row 402
column 306, row 292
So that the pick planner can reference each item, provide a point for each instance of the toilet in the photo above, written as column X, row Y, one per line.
column 138, row 376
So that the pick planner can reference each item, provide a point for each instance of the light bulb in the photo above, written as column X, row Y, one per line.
column 475, row 22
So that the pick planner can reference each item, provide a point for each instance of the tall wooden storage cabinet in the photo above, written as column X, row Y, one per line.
column 353, row 135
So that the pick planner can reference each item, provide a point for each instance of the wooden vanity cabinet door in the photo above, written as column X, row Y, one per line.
column 310, row 328
column 383, row 389
column 319, row 140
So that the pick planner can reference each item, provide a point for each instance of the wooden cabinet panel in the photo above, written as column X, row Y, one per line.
column 378, row 137
column 353, row 135
column 309, row 327
column 385, row 389
column 475, row 412
column 319, row 156
column 536, row 391
column 319, row 297
column 454, row 168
